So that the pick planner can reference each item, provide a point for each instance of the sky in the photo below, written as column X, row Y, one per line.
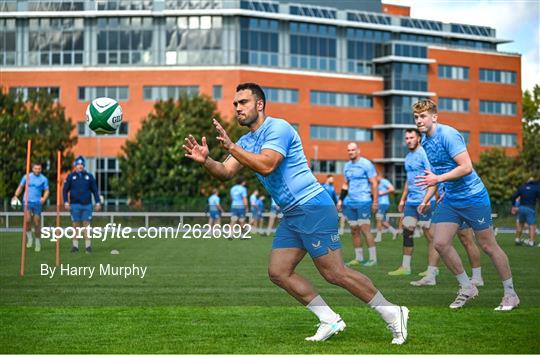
column 516, row 20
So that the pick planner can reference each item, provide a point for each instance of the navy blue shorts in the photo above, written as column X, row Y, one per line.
column 80, row 213
column 526, row 215
column 312, row 227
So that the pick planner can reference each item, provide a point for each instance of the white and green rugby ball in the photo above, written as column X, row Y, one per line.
column 104, row 115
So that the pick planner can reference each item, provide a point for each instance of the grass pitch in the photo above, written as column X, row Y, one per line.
column 214, row 296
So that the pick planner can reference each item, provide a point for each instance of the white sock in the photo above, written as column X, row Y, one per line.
column 322, row 310
column 432, row 272
column 464, row 280
column 373, row 253
column 509, row 287
column 38, row 242
column 359, row 254
column 406, row 261
column 87, row 243
column 477, row 273
column 75, row 243
column 392, row 230
column 379, row 234
column 383, row 307
column 29, row 236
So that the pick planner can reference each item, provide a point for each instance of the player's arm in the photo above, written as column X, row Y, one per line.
column 515, row 196
column 18, row 192
column 391, row 189
column 463, row 168
column 263, row 163
column 45, row 195
column 94, row 189
column 343, row 194
column 199, row 152
column 65, row 190
column 225, row 170
column 374, row 192
column 427, row 199
column 403, row 197
column 244, row 198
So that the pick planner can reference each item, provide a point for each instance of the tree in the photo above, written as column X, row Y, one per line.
column 531, row 131
column 153, row 166
column 41, row 119
column 501, row 174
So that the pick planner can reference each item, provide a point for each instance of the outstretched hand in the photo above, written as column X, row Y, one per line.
column 223, row 137
column 427, row 180
column 194, row 150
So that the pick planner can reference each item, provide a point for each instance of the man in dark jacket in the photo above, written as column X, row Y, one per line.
column 528, row 194
column 78, row 189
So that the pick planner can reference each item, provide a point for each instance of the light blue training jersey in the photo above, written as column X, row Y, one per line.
column 292, row 183
column 358, row 174
column 238, row 192
column 441, row 148
column 213, row 201
column 36, row 185
column 416, row 162
column 253, row 200
column 384, row 185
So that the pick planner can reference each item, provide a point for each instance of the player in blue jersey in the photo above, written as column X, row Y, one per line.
column 359, row 197
column 256, row 213
column 239, row 203
column 528, row 195
column 385, row 189
column 274, row 213
column 416, row 162
column 214, row 209
column 273, row 150
column 465, row 199
column 38, row 192
column 330, row 189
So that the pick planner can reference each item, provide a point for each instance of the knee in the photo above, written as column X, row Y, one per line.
column 277, row 276
column 488, row 248
column 336, row 277
column 441, row 247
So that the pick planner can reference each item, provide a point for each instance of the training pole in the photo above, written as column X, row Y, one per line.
column 25, row 204
column 58, row 201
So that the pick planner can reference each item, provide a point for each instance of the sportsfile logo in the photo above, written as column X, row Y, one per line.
column 182, row 231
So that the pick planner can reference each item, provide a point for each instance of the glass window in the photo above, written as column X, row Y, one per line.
column 453, row 105
column 154, row 93
column 498, row 139
column 57, row 41
column 498, row 76
column 281, row 95
column 498, row 108
column 453, row 72
column 328, row 98
column 125, row 40
column 338, row 133
column 217, row 92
